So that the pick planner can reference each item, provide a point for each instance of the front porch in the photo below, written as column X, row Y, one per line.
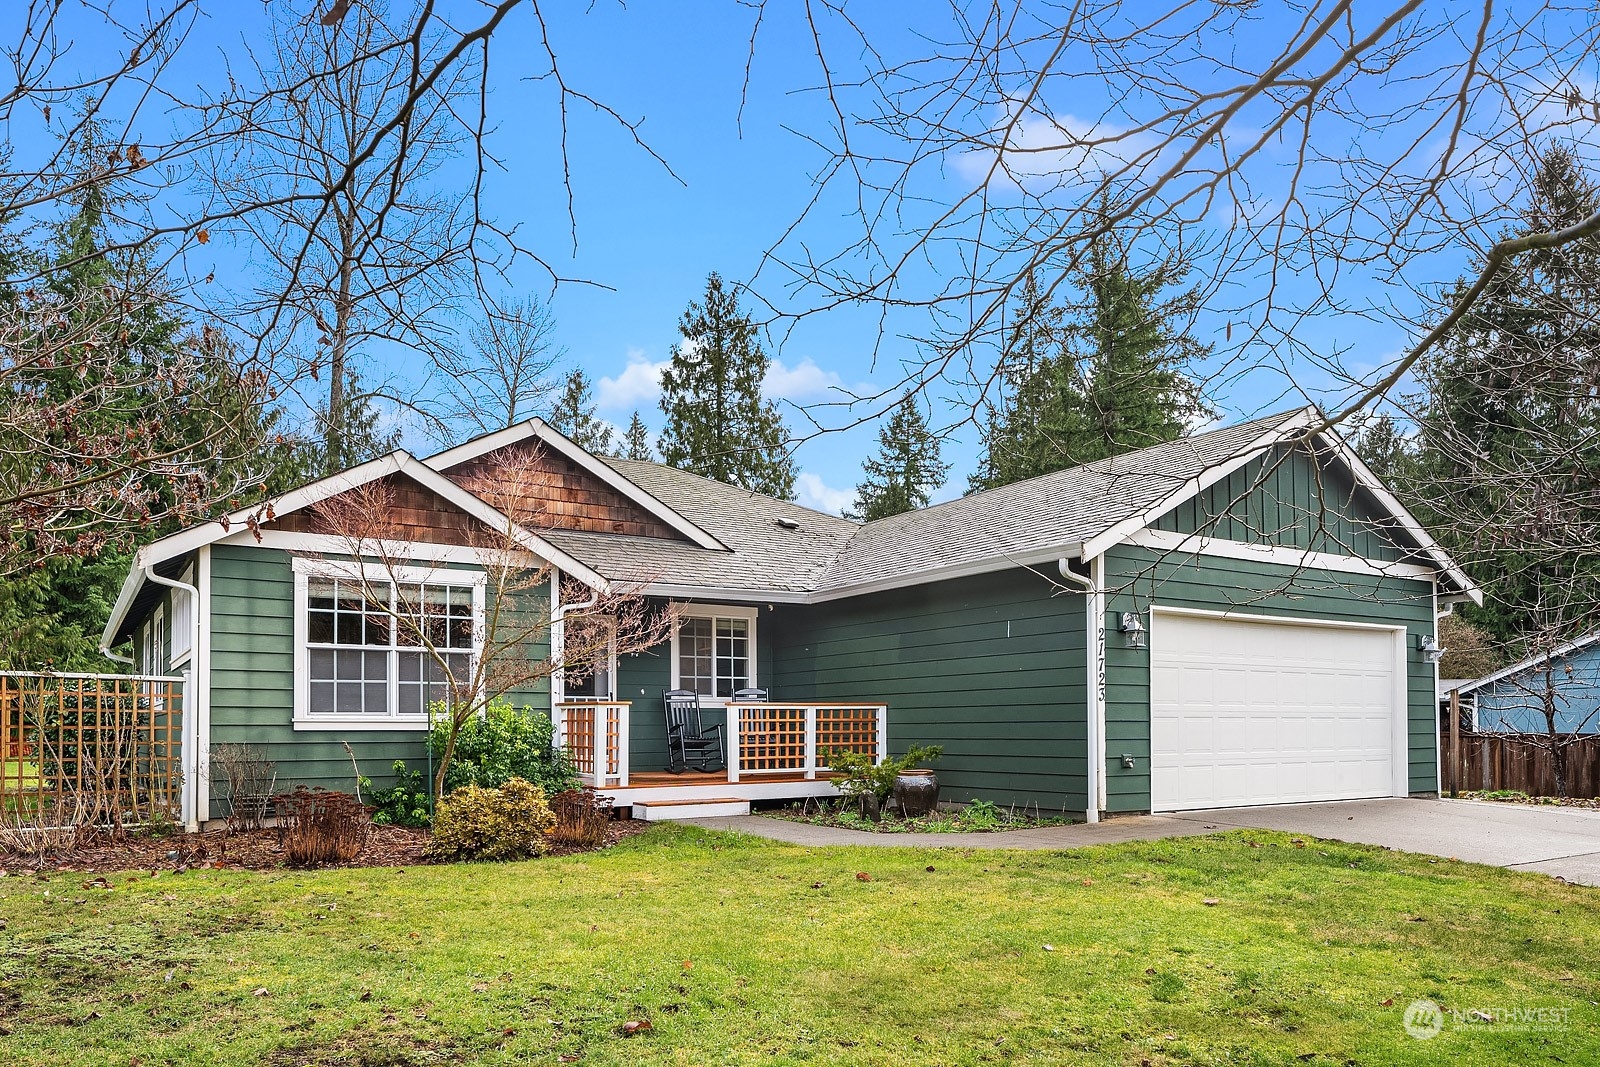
column 775, row 751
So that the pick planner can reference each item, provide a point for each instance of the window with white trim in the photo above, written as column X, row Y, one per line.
column 714, row 651
column 182, row 621
column 376, row 649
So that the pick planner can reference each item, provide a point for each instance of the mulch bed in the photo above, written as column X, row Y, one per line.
column 254, row 850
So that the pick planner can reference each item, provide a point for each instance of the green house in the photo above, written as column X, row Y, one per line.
column 1245, row 616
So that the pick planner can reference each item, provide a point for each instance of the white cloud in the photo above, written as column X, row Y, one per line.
column 805, row 381
column 813, row 492
column 638, row 386
column 1055, row 148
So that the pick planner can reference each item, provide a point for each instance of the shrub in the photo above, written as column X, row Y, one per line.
column 582, row 816
column 251, row 778
column 507, row 823
column 406, row 803
column 504, row 743
column 317, row 826
column 872, row 784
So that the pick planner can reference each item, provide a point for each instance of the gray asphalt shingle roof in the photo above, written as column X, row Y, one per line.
column 826, row 553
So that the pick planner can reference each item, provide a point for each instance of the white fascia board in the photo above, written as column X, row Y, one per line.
column 329, row 545
column 987, row 565
column 1530, row 661
column 1119, row 532
column 720, row 594
column 130, row 589
column 1369, row 481
column 210, row 533
column 1200, row 545
column 549, row 435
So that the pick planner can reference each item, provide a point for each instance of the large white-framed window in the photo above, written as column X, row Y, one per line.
column 154, row 649
column 356, row 666
column 714, row 650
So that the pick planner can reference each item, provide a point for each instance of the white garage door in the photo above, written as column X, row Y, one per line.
column 1270, row 713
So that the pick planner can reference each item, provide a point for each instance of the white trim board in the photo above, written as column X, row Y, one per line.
column 304, row 571
column 1529, row 661
column 716, row 611
column 549, row 435
column 398, row 462
column 1199, row 545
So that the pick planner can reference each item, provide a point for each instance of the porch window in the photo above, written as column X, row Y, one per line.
column 714, row 651
column 370, row 649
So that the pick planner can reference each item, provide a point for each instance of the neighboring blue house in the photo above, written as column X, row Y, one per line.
column 1513, row 700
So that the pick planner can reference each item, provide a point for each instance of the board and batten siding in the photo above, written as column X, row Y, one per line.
column 1286, row 498
column 1139, row 577
column 991, row 667
column 252, row 683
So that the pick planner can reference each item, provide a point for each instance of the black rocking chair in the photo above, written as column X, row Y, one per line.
column 688, row 742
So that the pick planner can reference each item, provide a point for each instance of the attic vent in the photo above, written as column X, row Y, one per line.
column 787, row 524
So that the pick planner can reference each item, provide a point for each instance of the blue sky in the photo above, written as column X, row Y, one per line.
column 647, row 238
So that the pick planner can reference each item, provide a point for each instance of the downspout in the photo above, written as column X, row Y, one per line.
column 1094, row 639
column 558, row 614
column 191, row 735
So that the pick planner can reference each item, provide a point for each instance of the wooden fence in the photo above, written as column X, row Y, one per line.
column 89, row 749
column 1514, row 761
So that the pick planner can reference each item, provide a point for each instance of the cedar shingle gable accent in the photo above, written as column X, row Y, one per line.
column 563, row 496
column 419, row 513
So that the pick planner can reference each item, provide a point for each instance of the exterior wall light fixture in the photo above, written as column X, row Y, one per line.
column 1132, row 628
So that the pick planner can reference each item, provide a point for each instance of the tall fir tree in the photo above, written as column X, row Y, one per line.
column 1508, row 441
column 575, row 415
column 1105, row 375
column 718, row 424
column 906, row 470
column 636, row 441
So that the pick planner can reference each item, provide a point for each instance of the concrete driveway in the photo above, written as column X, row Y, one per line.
column 1564, row 842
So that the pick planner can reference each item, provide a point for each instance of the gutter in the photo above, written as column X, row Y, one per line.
column 558, row 633
column 191, row 734
column 1094, row 711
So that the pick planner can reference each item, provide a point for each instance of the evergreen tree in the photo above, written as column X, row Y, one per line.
column 1385, row 451
column 718, row 424
column 636, row 441
column 1508, row 458
column 1104, row 376
column 906, row 470
column 574, row 415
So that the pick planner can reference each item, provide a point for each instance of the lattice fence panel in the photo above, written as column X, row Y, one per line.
column 853, row 729
column 772, row 737
column 97, row 749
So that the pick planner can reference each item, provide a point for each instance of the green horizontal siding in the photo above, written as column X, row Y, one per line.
column 1141, row 577
column 252, row 681
column 990, row 667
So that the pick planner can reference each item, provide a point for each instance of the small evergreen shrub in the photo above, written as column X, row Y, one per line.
column 504, row 743
column 508, row 823
column 405, row 803
column 871, row 784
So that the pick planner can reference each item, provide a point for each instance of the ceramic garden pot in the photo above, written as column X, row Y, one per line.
column 916, row 792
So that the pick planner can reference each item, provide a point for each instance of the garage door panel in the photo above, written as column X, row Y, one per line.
column 1266, row 712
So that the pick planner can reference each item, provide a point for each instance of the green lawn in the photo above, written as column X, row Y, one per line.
column 734, row 953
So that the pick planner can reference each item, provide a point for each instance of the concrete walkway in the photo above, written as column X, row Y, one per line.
column 1564, row 842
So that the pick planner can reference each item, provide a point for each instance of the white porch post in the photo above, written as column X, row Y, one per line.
column 600, row 716
column 732, row 730
column 624, row 712
column 883, row 732
column 811, row 742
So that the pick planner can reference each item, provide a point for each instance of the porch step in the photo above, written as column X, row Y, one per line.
column 698, row 808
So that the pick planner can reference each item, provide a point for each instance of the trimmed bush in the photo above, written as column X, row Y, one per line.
column 316, row 827
column 508, row 823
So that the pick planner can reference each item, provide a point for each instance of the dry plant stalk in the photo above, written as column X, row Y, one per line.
column 317, row 827
column 250, row 777
column 582, row 817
